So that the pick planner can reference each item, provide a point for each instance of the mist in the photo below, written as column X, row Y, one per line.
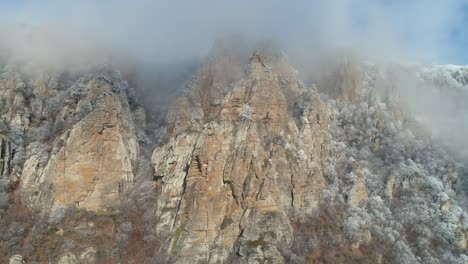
column 171, row 37
column 176, row 30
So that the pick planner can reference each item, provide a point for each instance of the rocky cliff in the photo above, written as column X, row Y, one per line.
column 251, row 165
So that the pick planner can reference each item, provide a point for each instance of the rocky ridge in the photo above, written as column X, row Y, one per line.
column 250, row 166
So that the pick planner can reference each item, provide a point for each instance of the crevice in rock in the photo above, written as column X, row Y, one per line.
column 184, row 188
column 262, row 184
column 2, row 157
column 199, row 165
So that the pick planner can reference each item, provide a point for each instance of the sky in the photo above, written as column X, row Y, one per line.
column 433, row 31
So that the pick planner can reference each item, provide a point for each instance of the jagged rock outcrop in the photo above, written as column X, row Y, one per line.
column 91, row 163
column 358, row 191
column 6, row 156
column 235, row 181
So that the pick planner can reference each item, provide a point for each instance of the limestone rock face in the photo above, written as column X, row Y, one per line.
column 72, row 147
column 6, row 156
column 234, row 181
column 17, row 259
column 88, row 256
column 92, row 162
column 358, row 190
column 390, row 187
column 68, row 258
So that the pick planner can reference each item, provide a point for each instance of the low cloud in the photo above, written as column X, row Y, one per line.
column 173, row 30
column 159, row 33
